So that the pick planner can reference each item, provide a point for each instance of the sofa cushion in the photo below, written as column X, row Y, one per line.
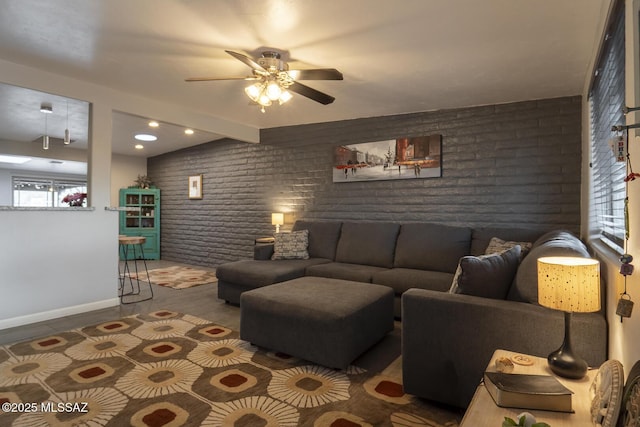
column 344, row 271
column 480, row 237
column 292, row 245
column 497, row 245
column 367, row 243
column 432, row 247
column 403, row 279
column 253, row 274
column 488, row 276
column 554, row 243
column 323, row 237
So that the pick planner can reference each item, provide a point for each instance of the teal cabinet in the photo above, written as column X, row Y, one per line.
column 141, row 218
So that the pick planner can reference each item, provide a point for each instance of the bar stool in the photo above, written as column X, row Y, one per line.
column 126, row 243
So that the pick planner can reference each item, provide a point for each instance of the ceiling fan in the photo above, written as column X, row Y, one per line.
column 274, row 79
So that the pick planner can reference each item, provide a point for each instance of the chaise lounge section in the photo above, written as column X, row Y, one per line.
column 448, row 338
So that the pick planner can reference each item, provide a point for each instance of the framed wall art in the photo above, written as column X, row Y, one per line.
column 195, row 187
column 401, row 158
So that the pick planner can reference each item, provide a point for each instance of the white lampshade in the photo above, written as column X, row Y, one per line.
column 277, row 218
column 570, row 284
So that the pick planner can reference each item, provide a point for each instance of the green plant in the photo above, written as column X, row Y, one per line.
column 509, row 422
column 143, row 181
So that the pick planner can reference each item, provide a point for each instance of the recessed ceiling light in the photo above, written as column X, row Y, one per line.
column 139, row 146
column 46, row 108
column 153, row 124
column 145, row 137
column 188, row 131
column 17, row 160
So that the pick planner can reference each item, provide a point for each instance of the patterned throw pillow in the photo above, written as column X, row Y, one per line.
column 497, row 245
column 294, row 245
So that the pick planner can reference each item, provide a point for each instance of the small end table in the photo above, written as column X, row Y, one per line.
column 264, row 240
column 483, row 412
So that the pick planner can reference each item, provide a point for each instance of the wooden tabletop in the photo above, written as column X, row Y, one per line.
column 483, row 412
column 131, row 240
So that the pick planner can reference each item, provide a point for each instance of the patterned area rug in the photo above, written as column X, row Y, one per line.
column 177, row 277
column 168, row 369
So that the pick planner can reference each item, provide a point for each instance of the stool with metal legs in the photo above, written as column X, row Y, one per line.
column 126, row 243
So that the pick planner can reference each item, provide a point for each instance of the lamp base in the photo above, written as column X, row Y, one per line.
column 563, row 362
column 567, row 365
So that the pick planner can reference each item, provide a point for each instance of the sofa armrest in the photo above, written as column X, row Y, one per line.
column 448, row 339
column 262, row 251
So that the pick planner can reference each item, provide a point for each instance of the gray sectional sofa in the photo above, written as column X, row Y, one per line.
column 447, row 337
column 402, row 256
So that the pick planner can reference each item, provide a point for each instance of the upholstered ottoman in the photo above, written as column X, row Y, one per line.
column 326, row 321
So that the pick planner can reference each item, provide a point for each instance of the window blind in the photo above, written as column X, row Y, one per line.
column 606, row 100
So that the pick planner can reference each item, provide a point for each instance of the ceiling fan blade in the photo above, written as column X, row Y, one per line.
column 316, row 74
column 207, row 79
column 246, row 60
column 311, row 93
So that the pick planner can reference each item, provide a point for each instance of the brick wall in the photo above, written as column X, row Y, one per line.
column 503, row 165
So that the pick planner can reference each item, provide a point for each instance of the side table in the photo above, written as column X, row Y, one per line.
column 264, row 240
column 483, row 412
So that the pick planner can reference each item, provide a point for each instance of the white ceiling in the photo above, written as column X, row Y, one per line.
column 396, row 57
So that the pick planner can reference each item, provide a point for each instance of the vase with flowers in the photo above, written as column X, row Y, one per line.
column 75, row 199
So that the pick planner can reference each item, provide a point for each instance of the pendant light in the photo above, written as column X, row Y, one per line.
column 46, row 109
column 67, row 135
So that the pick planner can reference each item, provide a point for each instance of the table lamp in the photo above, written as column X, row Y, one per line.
column 570, row 284
column 277, row 219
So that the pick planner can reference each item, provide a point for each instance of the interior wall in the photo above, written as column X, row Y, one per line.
column 47, row 255
column 124, row 171
column 503, row 165
column 34, row 241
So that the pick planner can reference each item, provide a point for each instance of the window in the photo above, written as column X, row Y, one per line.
column 606, row 100
column 44, row 192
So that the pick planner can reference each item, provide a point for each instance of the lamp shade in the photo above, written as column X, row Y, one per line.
column 570, row 284
column 277, row 218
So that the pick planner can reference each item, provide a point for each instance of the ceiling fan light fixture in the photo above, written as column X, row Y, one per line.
column 253, row 91
column 264, row 99
column 273, row 90
column 285, row 96
column 273, row 79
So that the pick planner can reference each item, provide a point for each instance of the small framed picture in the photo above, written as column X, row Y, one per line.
column 195, row 187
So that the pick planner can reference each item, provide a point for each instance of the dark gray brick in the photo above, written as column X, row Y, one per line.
column 512, row 164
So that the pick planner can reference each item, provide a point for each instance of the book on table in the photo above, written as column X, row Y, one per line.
column 542, row 392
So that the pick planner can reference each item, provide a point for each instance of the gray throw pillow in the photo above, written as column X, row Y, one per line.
column 294, row 245
column 488, row 276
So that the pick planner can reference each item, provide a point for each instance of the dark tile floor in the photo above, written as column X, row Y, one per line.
column 201, row 301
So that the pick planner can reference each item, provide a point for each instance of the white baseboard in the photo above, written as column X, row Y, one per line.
column 59, row 312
